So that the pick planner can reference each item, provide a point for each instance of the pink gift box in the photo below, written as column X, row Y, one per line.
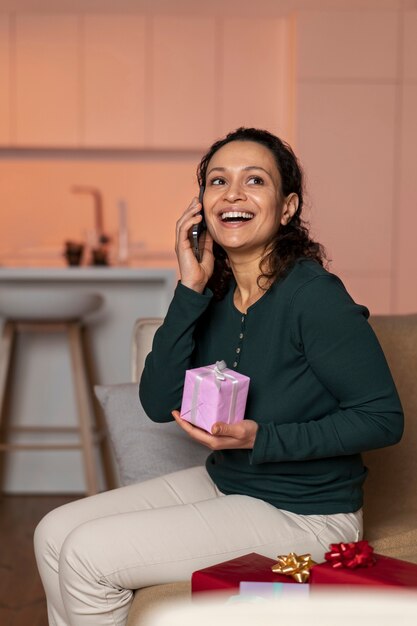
column 212, row 394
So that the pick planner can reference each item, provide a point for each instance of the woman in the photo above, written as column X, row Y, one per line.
column 287, row 478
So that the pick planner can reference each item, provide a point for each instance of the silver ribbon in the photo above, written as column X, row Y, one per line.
column 232, row 408
column 218, row 369
column 220, row 376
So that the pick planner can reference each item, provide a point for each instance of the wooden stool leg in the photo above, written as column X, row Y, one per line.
column 6, row 353
column 6, row 356
column 100, row 423
column 83, row 402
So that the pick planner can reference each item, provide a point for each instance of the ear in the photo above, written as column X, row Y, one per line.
column 291, row 203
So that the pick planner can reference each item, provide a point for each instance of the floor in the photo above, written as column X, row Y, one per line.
column 22, row 601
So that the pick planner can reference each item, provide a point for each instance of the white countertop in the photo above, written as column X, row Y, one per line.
column 87, row 273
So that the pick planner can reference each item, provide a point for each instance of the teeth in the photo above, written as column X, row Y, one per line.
column 234, row 214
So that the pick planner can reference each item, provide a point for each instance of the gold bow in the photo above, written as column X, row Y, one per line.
column 298, row 567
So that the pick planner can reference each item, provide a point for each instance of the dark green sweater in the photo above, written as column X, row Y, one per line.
column 320, row 388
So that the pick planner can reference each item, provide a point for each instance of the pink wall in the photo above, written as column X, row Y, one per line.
column 356, row 134
column 355, row 130
column 38, row 208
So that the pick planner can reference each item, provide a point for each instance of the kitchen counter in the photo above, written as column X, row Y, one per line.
column 82, row 273
column 42, row 392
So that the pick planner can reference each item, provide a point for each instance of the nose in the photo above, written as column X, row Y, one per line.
column 234, row 191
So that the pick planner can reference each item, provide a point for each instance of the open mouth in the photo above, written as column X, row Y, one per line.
column 236, row 216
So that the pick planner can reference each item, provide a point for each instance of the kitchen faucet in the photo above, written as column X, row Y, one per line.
column 100, row 236
column 99, row 251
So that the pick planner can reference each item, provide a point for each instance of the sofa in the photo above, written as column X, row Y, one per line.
column 143, row 449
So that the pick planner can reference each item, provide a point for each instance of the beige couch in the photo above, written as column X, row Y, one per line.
column 390, row 491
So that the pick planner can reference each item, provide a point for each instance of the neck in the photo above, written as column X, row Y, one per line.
column 246, row 272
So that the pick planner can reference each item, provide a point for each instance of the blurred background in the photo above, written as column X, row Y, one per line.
column 124, row 96
column 106, row 107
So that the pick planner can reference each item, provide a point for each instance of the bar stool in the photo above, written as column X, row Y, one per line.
column 43, row 310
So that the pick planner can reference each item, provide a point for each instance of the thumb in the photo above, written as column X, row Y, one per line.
column 220, row 428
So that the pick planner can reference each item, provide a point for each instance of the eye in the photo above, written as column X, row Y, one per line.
column 217, row 181
column 255, row 180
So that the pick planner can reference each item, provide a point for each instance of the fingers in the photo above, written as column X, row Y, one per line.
column 243, row 434
column 223, row 436
column 189, row 428
column 196, row 433
column 183, row 423
column 194, row 273
column 192, row 215
column 225, row 430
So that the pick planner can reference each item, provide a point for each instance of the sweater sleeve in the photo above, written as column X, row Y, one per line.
column 342, row 350
column 161, row 384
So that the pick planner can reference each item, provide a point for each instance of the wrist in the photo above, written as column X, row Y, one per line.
column 198, row 287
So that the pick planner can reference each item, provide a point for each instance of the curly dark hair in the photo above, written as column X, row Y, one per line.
column 292, row 241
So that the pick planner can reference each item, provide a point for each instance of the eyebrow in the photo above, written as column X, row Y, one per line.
column 248, row 167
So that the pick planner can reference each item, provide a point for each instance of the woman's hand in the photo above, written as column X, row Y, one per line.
column 193, row 274
column 224, row 436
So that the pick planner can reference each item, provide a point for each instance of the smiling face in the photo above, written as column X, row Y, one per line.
column 243, row 202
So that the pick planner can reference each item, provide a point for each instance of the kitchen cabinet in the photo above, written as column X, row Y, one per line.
column 349, row 45
column 114, row 82
column 255, row 85
column 405, row 214
column 136, row 81
column 5, row 108
column 184, row 95
column 409, row 59
column 47, row 79
column 216, row 75
column 348, row 120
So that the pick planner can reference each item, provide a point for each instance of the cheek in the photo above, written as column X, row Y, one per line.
column 267, row 198
column 274, row 221
column 211, row 224
column 212, row 196
column 274, row 213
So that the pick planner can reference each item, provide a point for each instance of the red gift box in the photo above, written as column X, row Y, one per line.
column 386, row 571
column 227, row 576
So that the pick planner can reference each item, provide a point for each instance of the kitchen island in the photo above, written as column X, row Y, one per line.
column 42, row 391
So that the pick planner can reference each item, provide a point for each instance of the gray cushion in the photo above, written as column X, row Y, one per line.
column 142, row 448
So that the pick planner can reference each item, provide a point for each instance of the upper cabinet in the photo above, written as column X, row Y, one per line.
column 347, row 45
column 410, row 46
column 141, row 82
column 255, row 83
column 5, row 108
column 183, row 84
column 114, row 84
column 47, row 81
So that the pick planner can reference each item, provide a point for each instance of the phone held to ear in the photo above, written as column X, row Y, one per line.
column 197, row 241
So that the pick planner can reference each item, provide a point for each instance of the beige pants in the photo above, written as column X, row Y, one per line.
column 93, row 552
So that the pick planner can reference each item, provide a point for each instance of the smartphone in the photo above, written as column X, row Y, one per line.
column 197, row 230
